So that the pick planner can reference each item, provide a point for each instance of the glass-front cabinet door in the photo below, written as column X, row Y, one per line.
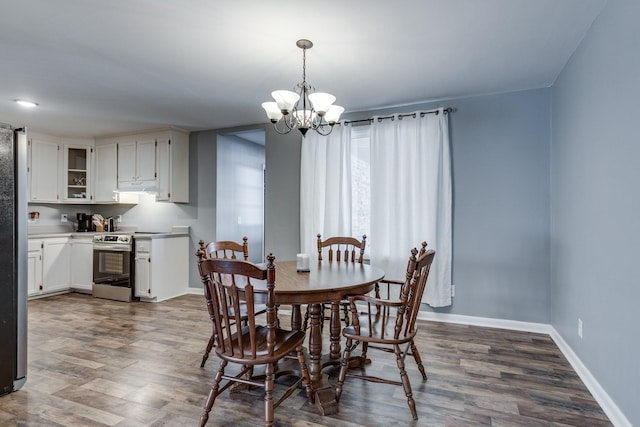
column 77, row 173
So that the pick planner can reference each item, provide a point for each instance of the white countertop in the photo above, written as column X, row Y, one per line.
column 47, row 232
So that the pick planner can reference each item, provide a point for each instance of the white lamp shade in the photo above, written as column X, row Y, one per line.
column 305, row 118
column 321, row 101
column 285, row 99
column 272, row 110
column 333, row 114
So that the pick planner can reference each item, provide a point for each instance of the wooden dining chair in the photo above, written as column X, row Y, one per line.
column 388, row 325
column 225, row 250
column 339, row 249
column 253, row 344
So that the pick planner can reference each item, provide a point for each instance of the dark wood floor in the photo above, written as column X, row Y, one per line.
column 95, row 362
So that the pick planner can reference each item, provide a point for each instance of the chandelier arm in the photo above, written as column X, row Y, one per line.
column 282, row 131
column 322, row 129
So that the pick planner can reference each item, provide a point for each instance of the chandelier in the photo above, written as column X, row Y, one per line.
column 304, row 108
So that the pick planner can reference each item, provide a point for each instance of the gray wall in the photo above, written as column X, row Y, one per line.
column 282, row 207
column 595, row 182
column 500, row 156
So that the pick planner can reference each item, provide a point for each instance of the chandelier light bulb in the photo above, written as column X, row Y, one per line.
column 333, row 114
column 285, row 99
column 273, row 111
column 321, row 102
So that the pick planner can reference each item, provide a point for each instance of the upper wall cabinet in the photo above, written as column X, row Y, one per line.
column 106, row 173
column 137, row 164
column 172, row 166
column 44, row 167
column 77, row 176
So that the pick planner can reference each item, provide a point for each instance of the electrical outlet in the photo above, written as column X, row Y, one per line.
column 63, row 218
column 580, row 327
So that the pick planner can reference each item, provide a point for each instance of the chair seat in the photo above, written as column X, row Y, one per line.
column 285, row 342
column 379, row 332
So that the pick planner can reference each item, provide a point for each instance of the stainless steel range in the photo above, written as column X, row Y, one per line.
column 113, row 266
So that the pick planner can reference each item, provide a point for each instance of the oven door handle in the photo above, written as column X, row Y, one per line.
column 112, row 248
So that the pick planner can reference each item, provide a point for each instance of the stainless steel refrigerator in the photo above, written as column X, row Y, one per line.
column 13, row 258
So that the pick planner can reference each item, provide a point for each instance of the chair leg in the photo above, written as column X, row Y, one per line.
column 306, row 378
column 416, row 356
column 205, row 356
column 268, row 395
column 405, row 382
column 344, row 365
column 212, row 394
column 305, row 324
column 345, row 308
column 363, row 355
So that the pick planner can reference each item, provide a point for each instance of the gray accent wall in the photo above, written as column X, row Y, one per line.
column 595, row 185
column 500, row 156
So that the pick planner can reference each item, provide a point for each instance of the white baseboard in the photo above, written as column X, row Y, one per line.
column 608, row 405
column 195, row 291
column 600, row 395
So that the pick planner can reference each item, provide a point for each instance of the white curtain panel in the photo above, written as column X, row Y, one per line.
column 411, row 198
column 325, row 186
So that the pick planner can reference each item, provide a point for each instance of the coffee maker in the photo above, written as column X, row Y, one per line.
column 84, row 222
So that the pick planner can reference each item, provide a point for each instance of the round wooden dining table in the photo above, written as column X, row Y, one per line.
column 326, row 282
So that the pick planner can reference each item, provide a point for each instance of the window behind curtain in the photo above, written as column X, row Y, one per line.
column 361, row 183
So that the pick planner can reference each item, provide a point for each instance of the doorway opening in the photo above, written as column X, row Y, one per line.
column 240, row 189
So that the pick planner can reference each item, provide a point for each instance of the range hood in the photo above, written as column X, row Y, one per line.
column 139, row 187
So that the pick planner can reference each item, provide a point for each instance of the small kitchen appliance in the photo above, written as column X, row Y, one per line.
column 84, row 222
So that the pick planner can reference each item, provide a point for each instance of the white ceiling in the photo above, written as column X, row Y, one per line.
column 100, row 67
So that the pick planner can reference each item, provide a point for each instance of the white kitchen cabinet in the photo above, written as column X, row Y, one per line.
column 172, row 166
column 162, row 267
column 81, row 263
column 76, row 173
column 44, row 170
column 49, row 266
column 34, row 267
column 106, row 173
column 137, row 164
column 56, row 260
column 143, row 269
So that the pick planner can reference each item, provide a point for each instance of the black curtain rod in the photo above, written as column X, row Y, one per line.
column 422, row 113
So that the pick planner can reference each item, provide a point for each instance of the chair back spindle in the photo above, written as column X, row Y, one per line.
column 345, row 249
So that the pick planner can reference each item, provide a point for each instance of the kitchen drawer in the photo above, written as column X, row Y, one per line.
column 143, row 246
column 34, row 245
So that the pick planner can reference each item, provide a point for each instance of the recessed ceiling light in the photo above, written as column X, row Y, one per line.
column 27, row 104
